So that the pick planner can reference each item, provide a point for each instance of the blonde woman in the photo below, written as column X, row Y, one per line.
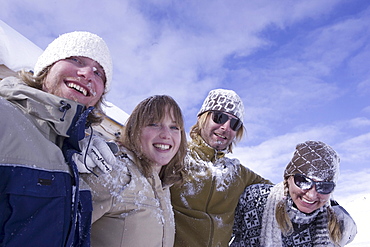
column 300, row 210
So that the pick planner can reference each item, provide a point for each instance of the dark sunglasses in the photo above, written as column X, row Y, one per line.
column 306, row 183
column 221, row 118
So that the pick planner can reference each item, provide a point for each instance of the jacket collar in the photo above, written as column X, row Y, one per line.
column 48, row 111
column 205, row 152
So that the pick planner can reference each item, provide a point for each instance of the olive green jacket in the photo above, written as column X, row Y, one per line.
column 204, row 205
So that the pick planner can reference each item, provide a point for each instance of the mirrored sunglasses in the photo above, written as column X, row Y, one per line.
column 306, row 183
column 221, row 118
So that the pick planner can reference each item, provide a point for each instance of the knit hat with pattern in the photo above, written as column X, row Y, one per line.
column 223, row 100
column 78, row 43
column 314, row 159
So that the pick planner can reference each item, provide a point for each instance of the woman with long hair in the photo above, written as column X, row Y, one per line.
column 131, row 204
column 299, row 211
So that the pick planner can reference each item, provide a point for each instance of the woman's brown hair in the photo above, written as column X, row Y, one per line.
column 148, row 111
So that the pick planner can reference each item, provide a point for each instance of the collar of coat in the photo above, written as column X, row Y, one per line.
column 204, row 151
column 44, row 108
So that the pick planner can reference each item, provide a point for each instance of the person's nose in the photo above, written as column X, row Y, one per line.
column 312, row 193
column 87, row 72
column 226, row 125
column 164, row 132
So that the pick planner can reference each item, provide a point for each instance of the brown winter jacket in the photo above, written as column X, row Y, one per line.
column 130, row 209
column 204, row 205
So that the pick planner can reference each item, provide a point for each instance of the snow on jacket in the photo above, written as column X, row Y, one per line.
column 130, row 209
column 37, row 186
column 204, row 205
column 252, row 218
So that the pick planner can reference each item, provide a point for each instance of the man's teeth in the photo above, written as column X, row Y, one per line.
column 306, row 201
column 220, row 136
column 162, row 146
column 78, row 88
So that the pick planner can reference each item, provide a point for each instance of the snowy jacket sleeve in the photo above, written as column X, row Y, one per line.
column 349, row 230
column 106, row 186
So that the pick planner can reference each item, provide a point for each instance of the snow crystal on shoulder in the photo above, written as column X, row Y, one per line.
column 224, row 171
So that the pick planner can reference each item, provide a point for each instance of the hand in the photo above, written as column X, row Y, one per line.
column 95, row 152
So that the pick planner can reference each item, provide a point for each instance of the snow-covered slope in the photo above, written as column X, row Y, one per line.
column 116, row 113
column 16, row 51
column 359, row 208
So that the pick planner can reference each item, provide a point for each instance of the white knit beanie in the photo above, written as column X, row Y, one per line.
column 223, row 100
column 78, row 43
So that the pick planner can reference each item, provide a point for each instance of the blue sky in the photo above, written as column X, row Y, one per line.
column 302, row 68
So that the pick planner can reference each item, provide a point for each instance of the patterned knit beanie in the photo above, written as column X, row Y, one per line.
column 77, row 43
column 314, row 159
column 223, row 100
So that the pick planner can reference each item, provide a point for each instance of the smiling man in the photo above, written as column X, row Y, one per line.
column 78, row 78
column 44, row 116
column 204, row 205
